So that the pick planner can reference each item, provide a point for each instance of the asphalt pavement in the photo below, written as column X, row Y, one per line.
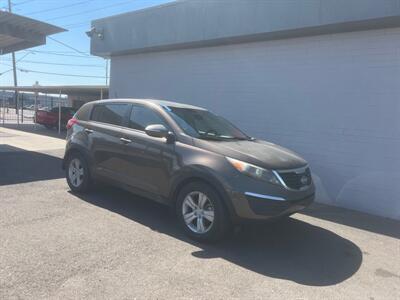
column 110, row 244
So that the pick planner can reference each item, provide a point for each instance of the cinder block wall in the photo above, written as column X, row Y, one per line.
column 335, row 99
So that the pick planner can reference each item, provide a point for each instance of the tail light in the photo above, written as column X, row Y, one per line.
column 71, row 122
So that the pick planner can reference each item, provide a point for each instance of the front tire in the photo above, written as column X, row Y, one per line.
column 201, row 212
column 77, row 173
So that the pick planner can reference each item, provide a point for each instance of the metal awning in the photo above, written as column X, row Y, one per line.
column 18, row 32
column 82, row 90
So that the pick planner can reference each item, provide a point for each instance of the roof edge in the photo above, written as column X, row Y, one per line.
column 369, row 24
column 53, row 29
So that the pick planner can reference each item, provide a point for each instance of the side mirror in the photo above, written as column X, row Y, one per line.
column 159, row 131
column 156, row 130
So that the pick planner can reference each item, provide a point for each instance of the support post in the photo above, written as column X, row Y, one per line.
column 35, row 110
column 22, row 107
column 14, row 72
column 17, row 107
column 4, row 107
column 59, row 114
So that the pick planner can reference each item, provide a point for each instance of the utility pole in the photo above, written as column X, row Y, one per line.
column 14, row 71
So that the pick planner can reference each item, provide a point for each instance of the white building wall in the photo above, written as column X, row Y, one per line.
column 335, row 99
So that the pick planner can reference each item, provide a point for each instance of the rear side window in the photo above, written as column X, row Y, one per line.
column 83, row 113
column 142, row 116
column 110, row 113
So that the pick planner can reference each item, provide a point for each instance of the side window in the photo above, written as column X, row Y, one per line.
column 142, row 116
column 109, row 113
column 83, row 113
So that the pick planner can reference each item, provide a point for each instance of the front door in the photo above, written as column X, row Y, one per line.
column 149, row 160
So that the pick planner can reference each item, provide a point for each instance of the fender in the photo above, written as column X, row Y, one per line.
column 204, row 174
column 79, row 148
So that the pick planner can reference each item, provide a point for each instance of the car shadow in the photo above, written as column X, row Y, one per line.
column 291, row 249
column 21, row 166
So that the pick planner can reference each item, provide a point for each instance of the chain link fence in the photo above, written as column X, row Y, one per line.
column 20, row 108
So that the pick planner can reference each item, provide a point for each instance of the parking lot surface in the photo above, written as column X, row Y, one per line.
column 110, row 244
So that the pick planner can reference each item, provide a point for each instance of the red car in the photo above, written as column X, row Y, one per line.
column 50, row 118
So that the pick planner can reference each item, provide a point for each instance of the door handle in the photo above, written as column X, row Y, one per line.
column 88, row 130
column 125, row 141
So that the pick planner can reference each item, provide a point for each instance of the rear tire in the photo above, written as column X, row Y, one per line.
column 48, row 126
column 77, row 173
column 201, row 212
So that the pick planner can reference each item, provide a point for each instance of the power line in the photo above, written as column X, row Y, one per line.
column 17, row 4
column 1, row 73
column 52, row 51
column 57, row 74
column 75, row 24
column 57, row 64
column 23, row 2
column 90, row 11
column 60, row 54
column 68, row 46
column 57, row 8
column 61, row 74
column 26, row 54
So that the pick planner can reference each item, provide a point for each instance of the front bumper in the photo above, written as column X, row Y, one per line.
column 261, row 207
column 256, row 200
column 252, row 207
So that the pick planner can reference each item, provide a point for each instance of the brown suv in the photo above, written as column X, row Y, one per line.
column 187, row 157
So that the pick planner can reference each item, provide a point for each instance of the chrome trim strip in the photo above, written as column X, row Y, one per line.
column 268, row 197
column 280, row 179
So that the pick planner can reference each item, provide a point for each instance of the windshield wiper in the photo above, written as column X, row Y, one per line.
column 234, row 138
column 210, row 137
column 222, row 138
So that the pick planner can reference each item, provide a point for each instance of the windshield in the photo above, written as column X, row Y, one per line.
column 205, row 125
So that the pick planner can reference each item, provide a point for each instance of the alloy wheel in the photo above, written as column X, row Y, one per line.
column 198, row 212
column 76, row 172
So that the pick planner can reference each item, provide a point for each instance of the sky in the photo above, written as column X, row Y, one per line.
column 74, row 15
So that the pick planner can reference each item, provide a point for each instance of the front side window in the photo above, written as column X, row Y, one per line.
column 205, row 125
column 142, row 116
column 110, row 113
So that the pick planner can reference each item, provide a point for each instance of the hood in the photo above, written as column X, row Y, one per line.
column 257, row 152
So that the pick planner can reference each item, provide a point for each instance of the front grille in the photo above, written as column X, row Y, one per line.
column 296, row 179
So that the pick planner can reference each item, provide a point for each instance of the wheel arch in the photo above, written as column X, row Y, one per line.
column 211, row 181
column 75, row 149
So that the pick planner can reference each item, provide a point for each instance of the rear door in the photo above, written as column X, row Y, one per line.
column 149, row 160
column 104, row 135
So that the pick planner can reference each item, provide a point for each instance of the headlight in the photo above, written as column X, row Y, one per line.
column 254, row 171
